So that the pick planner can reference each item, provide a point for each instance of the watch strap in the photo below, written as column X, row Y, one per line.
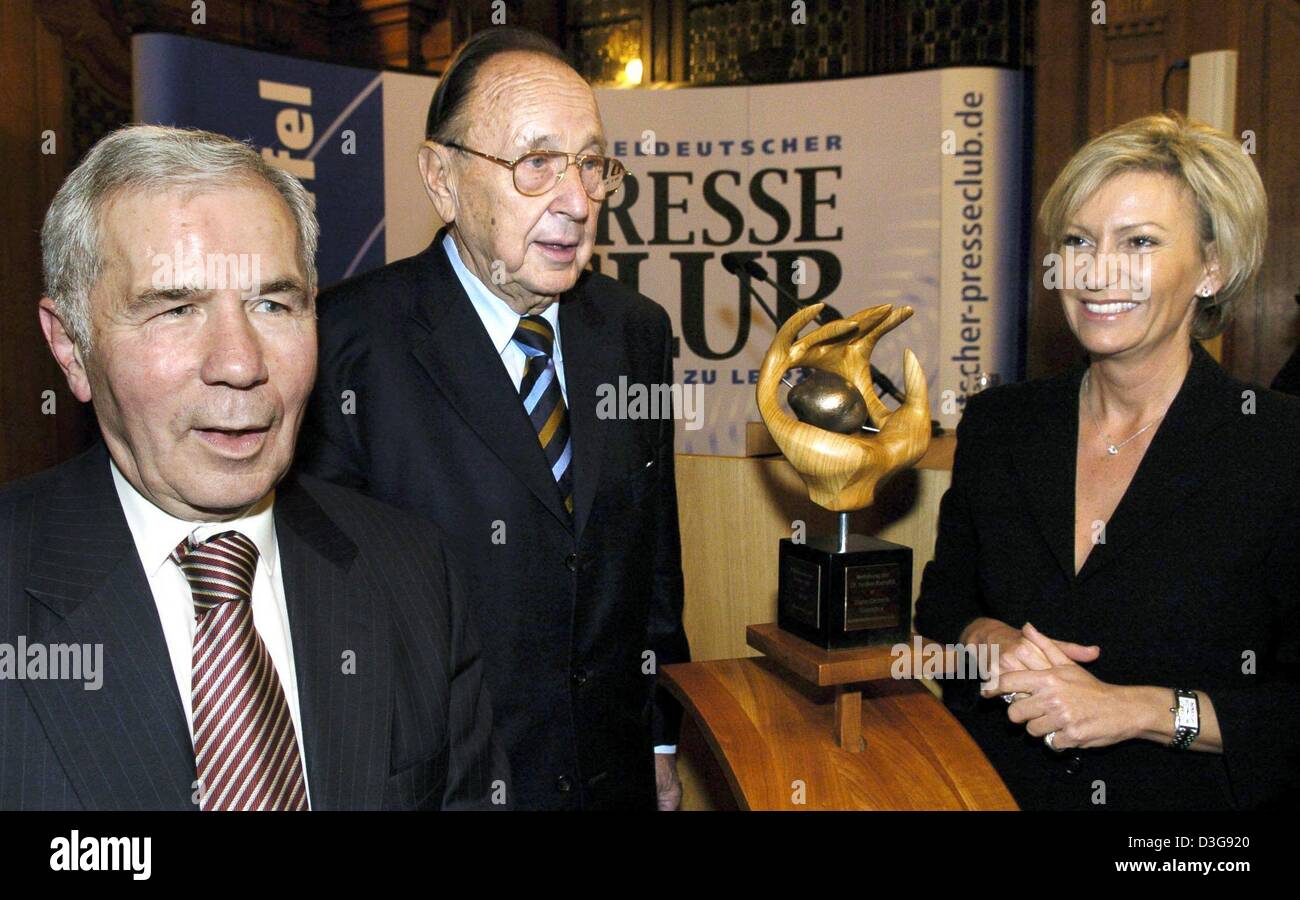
column 1185, row 732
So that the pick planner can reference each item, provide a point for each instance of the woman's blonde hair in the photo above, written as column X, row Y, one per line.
column 1231, row 209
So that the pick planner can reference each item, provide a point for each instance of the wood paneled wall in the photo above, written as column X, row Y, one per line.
column 1268, row 102
column 40, row 421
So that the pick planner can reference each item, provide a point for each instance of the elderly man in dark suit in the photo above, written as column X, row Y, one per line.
column 210, row 634
column 463, row 383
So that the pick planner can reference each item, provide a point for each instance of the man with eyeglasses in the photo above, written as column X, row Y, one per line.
column 463, row 383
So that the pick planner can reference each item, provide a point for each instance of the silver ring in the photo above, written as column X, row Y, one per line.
column 1010, row 698
column 1050, row 740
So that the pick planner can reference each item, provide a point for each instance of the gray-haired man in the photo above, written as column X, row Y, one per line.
column 267, row 642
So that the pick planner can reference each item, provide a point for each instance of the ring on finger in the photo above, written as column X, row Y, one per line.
column 1050, row 740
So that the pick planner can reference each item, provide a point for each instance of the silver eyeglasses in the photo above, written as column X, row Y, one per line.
column 537, row 171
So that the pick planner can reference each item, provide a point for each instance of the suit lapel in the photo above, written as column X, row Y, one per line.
column 1172, row 467
column 589, row 362
column 346, row 764
column 127, row 744
column 454, row 350
column 1044, row 459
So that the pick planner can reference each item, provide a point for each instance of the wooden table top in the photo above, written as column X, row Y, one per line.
column 772, row 734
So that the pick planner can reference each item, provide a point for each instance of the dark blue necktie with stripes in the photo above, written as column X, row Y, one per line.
column 544, row 402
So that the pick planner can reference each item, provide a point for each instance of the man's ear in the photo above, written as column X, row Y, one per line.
column 435, row 172
column 65, row 350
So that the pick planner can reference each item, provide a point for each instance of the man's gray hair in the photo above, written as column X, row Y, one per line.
column 150, row 158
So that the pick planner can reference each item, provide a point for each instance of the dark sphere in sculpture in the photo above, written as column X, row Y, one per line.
column 828, row 401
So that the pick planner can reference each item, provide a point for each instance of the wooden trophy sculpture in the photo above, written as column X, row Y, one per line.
column 854, row 590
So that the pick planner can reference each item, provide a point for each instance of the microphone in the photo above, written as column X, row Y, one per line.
column 737, row 265
column 732, row 265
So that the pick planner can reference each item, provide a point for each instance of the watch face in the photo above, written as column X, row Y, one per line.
column 1187, row 712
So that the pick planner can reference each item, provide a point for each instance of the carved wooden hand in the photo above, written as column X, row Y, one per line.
column 842, row 470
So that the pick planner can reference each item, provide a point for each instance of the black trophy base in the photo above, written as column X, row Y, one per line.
column 857, row 597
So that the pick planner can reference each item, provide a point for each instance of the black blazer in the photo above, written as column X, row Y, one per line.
column 409, row 729
column 1199, row 567
column 575, row 617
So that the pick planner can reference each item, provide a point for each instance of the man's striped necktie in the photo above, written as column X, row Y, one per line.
column 245, row 745
column 544, row 402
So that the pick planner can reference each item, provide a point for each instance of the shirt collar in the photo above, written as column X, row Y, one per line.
column 157, row 532
column 497, row 316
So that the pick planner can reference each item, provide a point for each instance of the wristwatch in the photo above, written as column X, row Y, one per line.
column 1187, row 718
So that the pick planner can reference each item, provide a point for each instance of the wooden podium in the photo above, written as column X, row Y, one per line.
column 808, row 729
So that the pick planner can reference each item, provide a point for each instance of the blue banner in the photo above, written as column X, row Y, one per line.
column 311, row 119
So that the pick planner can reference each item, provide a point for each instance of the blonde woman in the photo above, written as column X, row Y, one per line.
column 1127, row 536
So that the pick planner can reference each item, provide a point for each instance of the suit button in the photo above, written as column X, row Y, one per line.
column 571, row 562
column 563, row 784
column 579, row 677
column 1074, row 765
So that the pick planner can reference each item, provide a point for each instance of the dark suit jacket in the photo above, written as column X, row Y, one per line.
column 410, row 729
column 575, row 616
column 1287, row 379
column 1199, row 567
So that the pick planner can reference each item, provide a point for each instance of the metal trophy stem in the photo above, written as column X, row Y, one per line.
column 844, row 532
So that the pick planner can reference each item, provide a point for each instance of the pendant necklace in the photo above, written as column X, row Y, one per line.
column 1112, row 448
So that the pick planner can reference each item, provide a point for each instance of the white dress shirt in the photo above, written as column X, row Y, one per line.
column 156, row 534
column 501, row 321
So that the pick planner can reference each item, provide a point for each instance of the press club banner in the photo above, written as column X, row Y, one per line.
column 900, row 189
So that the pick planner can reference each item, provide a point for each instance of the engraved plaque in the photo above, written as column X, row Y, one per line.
column 872, row 597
